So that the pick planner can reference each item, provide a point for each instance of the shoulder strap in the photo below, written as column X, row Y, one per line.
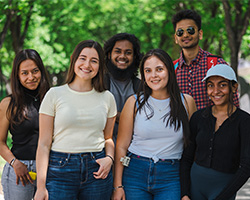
column 212, row 60
column 176, row 63
column 137, row 104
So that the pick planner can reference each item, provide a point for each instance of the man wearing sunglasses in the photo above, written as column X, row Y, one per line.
column 194, row 62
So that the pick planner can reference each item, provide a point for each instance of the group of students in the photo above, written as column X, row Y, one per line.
column 164, row 148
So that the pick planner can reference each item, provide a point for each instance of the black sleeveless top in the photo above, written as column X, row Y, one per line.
column 25, row 135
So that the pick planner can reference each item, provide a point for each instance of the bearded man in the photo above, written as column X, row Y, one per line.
column 122, row 57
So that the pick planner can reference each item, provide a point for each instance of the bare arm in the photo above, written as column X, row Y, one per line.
column 125, row 132
column 20, row 169
column 190, row 105
column 106, row 163
column 46, row 127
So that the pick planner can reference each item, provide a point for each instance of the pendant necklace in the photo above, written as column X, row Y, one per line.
column 35, row 98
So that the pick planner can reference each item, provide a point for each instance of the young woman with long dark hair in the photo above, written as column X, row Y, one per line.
column 152, row 131
column 19, row 116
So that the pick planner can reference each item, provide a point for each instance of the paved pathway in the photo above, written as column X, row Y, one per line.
column 244, row 192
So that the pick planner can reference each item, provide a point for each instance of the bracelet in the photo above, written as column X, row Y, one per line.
column 120, row 186
column 110, row 158
column 12, row 161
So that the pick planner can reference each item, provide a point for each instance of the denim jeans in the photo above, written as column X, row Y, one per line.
column 70, row 177
column 11, row 190
column 144, row 179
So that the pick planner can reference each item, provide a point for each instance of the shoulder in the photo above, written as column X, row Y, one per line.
column 106, row 93
column 4, row 104
column 131, row 100
column 58, row 89
column 188, row 98
column 198, row 115
column 105, row 96
column 243, row 114
column 190, row 104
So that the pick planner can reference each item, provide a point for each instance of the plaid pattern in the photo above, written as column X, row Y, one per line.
column 189, row 78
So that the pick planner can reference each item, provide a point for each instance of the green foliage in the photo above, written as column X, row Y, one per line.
column 56, row 26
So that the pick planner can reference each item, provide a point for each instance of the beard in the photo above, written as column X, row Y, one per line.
column 122, row 74
column 190, row 46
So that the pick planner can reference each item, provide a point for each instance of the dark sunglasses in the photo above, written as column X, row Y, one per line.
column 190, row 31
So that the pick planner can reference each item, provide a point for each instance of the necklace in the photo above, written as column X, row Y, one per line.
column 35, row 98
column 159, row 109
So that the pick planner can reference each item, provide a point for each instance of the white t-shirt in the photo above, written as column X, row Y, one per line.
column 79, row 118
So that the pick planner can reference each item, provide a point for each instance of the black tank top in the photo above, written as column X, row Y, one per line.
column 25, row 134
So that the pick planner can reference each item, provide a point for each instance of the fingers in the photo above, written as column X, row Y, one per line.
column 24, row 179
column 105, row 166
column 101, row 173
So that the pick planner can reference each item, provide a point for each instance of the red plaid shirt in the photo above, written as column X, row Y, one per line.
column 189, row 78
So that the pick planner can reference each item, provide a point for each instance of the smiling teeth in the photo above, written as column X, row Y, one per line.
column 85, row 70
column 121, row 62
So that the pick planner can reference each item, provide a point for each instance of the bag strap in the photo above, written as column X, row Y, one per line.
column 211, row 62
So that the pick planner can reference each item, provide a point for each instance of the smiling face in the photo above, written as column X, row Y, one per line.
column 188, row 40
column 218, row 89
column 156, row 74
column 122, row 54
column 87, row 64
column 29, row 74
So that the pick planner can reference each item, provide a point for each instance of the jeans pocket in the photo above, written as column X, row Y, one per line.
column 98, row 155
column 58, row 161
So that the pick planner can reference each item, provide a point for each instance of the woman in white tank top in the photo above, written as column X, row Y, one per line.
column 152, row 131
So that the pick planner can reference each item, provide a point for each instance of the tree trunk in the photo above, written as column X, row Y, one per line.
column 236, row 29
column 18, row 36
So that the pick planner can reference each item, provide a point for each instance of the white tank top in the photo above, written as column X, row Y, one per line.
column 151, row 138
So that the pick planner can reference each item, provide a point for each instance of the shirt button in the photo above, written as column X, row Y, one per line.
column 190, row 84
column 210, row 148
column 211, row 140
column 190, row 71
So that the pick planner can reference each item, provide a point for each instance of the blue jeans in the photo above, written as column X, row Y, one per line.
column 144, row 179
column 11, row 190
column 70, row 177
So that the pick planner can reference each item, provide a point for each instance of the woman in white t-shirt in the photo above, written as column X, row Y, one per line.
column 75, row 149
column 152, row 131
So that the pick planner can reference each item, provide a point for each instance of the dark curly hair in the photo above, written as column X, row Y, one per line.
column 109, row 44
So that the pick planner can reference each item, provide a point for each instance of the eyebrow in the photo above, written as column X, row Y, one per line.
column 23, row 70
column 82, row 55
column 219, row 82
column 121, row 49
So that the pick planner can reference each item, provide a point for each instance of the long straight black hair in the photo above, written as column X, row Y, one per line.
column 177, row 114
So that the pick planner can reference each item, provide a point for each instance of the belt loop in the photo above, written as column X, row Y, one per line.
column 172, row 161
column 68, row 157
column 92, row 155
